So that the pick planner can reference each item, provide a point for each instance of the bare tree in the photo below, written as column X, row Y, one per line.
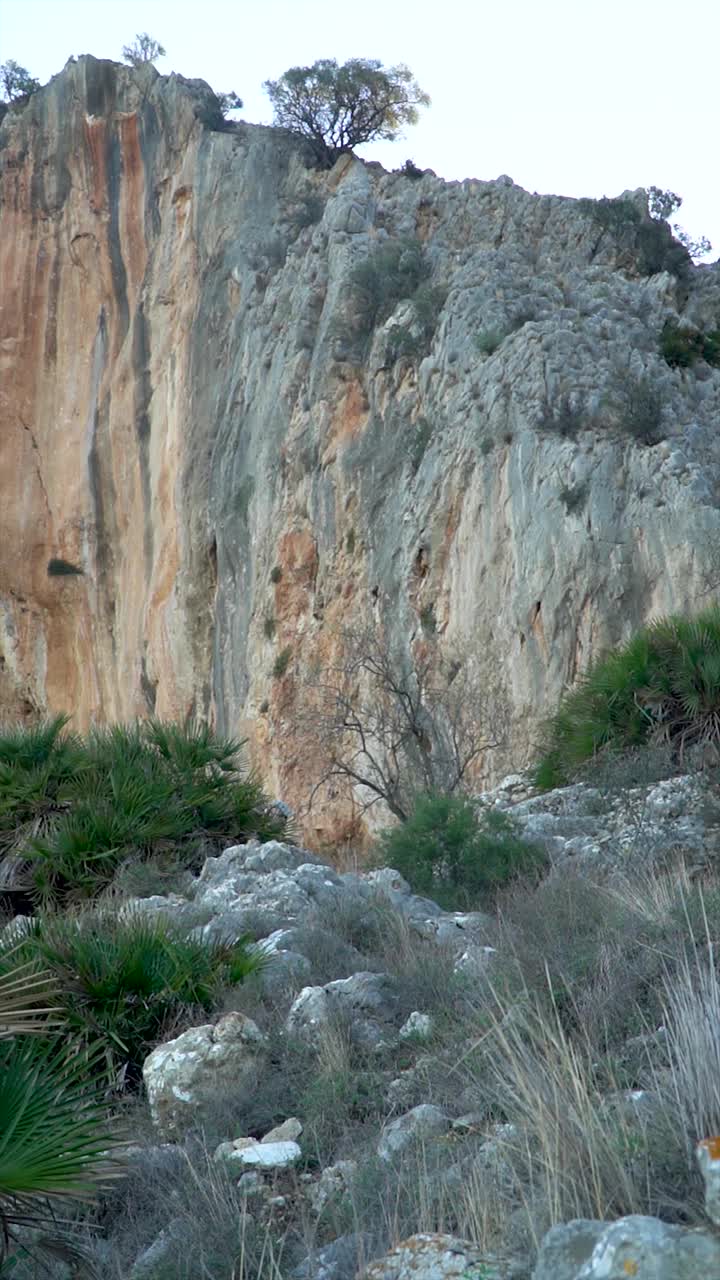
column 390, row 726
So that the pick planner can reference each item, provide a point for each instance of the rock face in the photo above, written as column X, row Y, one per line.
column 208, row 458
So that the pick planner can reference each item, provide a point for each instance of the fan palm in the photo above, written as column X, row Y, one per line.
column 662, row 687
column 55, row 1141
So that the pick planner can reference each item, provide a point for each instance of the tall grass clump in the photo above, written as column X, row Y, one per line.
column 74, row 809
column 577, row 1152
column 662, row 687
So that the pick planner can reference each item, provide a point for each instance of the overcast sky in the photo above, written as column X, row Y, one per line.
column 571, row 97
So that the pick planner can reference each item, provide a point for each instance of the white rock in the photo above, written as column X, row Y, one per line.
column 418, row 1026
column 268, row 1155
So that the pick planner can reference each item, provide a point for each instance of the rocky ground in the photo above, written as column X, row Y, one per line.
column 398, row 1097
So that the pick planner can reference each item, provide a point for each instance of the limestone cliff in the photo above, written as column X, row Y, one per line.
column 191, row 399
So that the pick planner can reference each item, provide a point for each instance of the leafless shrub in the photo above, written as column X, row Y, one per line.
column 389, row 727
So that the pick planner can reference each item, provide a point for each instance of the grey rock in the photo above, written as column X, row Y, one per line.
column 635, row 1245
column 338, row 1260
column 417, row 1026
column 333, row 1182
column 366, row 1002
column 264, row 1155
column 566, row 1248
column 423, row 1122
column 183, row 1075
column 153, row 1262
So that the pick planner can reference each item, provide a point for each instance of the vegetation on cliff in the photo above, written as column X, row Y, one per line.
column 663, row 686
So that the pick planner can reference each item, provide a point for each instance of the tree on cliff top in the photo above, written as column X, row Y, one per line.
column 339, row 107
column 16, row 81
column 143, row 49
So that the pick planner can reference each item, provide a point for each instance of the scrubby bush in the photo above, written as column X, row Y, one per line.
column 126, row 981
column 447, row 850
column 72, row 809
column 637, row 405
column 649, row 240
column 682, row 346
column 55, row 1138
column 58, row 568
column 282, row 662
column 564, row 417
column 487, row 341
column 414, row 340
column 393, row 271
column 662, row 686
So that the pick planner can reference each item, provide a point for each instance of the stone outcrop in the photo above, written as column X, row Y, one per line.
column 208, row 460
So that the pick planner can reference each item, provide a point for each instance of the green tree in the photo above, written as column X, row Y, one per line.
column 661, row 206
column 16, row 81
column 229, row 102
column 338, row 108
column 143, row 49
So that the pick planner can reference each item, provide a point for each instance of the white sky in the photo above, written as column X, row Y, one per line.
column 572, row 97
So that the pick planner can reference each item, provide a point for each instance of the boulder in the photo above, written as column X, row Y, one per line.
column 338, row 1260
column 245, row 1154
column 183, row 1076
column 367, row 1003
column 633, row 1246
column 425, row 1121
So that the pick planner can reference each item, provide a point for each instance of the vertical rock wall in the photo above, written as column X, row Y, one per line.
column 189, row 400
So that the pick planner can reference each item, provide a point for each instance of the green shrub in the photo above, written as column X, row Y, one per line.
column 446, row 850
column 487, row 341
column 573, row 497
column 281, row 663
column 649, row 240
column 276, row 574
column 126, row 981
column 391, row 272
column 269, row 628
column 682, row 347
column 72, row 810
column 63, row 569
column 637, row 405
column 663, row 686
column 563, row 417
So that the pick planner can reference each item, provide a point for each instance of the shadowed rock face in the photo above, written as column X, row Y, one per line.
column 189, row 399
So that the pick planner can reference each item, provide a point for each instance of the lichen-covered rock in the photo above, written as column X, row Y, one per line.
column 184, row 1075
column 432, row 1257
column 633, row 1246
